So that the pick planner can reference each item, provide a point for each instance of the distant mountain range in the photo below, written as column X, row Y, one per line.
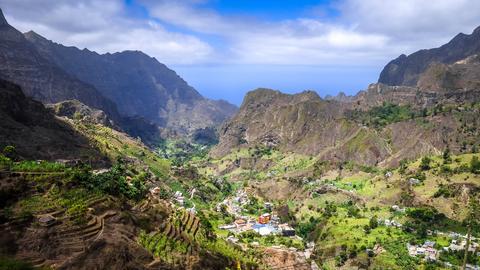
column 127, row 85
column 432, row 105
column 139, row 85
column 40, row 78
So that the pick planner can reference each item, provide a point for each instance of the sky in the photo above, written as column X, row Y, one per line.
column 225, row 48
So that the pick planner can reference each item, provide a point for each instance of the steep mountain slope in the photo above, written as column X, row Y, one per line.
column 40, row 78
column 36, row 133
column 381, row 125
column 432, row 105
column 405, row 70
column 292, row 122
column 139, row 85
column 340, row 132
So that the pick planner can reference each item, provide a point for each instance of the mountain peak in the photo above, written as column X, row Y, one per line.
column 33, row 36
column 3, row 21
column 476, row 31
column 406, row 70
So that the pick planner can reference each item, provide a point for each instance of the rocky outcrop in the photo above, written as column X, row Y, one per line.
column 139, row 85
column 406, row 70
column 74, row 109
column 461, row 75
column 136, row 127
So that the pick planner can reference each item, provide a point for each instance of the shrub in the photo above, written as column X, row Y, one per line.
column 373, row 222
column 447, row 159
column 425, row 163
column 475, row 165
column 5, row 162
column 13, row 264
column 443, row 191
column 445, row 169
column 10, row 152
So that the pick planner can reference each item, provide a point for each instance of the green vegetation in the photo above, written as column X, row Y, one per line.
column 12, row 264
column 383, row 115
column 6, row 163
column 113, row 182
column 74, row 201
column 475, row 165
column 117, row 145
column 180, row 151
column 161, row 246
column 456, row 257
column 425, row 163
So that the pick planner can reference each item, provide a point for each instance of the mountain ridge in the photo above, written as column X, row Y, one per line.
column 405, row 70
column 139, row 84
column 42, row 79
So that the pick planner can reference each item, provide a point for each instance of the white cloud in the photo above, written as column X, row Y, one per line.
column 415, row 24
column 103, row 26
column 367, row 32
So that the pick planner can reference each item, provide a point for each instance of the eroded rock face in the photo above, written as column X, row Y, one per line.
column 406, row 70
column 306, row 124
column 289, row 122
column 74, row 109
column 427, row 80
column 285, row 259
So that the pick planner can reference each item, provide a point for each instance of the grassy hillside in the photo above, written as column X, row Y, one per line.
column 115, row 144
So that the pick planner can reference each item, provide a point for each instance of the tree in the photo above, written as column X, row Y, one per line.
column 425, row 163
column 373, row 222
column 9, row 151
column 475, row 165
column 472, row 221
column 446, row 156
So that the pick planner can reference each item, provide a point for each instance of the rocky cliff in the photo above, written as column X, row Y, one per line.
column 406, row 70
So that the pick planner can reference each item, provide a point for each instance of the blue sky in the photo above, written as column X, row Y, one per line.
column 226, row 48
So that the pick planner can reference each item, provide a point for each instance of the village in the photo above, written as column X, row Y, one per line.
column 264, row 224
column 267, row 223
column 429, row 250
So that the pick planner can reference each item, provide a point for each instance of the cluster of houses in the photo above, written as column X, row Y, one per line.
column 234, row 206
column 458, row 243
column 390, row 223
column 179, row 198
column 427, row 250
column 264, row 224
